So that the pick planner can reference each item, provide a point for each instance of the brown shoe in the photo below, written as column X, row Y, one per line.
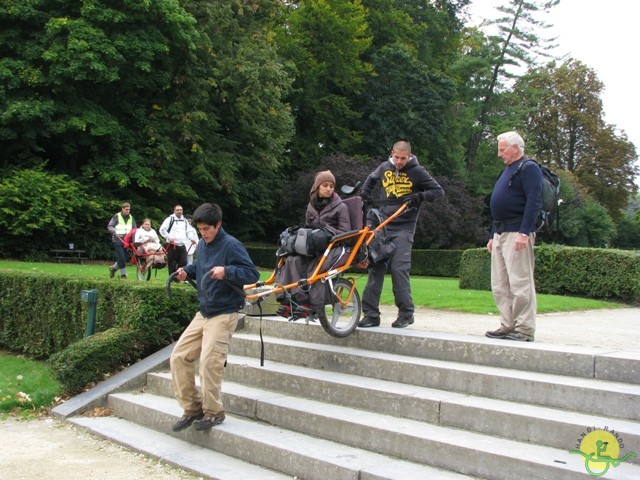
column 500, row 333
column 185, row 421
column 208, row 421
column 519, row 337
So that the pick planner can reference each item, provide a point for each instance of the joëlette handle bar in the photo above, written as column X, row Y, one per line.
column 171, row 279
column 365, row 235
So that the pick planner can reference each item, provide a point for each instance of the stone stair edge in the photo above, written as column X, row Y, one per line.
column 534, row 419
column 588, row 362
column 483, row 451
column 259, row 439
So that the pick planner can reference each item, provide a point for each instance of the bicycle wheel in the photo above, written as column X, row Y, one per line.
column 143, row 275
column 340, row 320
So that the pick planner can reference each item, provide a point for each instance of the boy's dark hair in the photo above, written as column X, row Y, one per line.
column 207, row 213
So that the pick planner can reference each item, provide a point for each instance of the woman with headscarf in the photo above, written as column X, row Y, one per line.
column 325, row 210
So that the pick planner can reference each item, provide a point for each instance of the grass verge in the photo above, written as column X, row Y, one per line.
column 27, row 387
column 432, row 292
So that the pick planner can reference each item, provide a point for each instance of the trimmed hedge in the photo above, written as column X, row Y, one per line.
column 586, row 272
column 432, row 263
column 43, row 317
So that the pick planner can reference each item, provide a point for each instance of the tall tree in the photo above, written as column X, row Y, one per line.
column 236, row 114
column 515, row 45
column 324, row 40
column 410, row 96
column 565, row 125
column 150, row 101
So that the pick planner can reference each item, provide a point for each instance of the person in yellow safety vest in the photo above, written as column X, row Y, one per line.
column 119, row 225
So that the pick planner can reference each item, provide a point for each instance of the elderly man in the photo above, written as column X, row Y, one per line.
column 515, row 205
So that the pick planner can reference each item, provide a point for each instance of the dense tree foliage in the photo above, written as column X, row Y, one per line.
column 515, row 44
column 241, row 102
column 565, row 126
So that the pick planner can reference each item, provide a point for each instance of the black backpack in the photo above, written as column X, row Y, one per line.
column 550, row 195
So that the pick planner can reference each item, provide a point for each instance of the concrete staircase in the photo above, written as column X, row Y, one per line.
column 382, row 404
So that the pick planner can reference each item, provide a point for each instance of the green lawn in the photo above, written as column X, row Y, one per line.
column 433, row 292
column 26, row 386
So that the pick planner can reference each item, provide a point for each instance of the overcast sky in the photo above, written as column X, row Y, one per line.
column 605, row 36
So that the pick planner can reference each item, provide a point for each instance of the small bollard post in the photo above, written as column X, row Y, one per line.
column 91, row 297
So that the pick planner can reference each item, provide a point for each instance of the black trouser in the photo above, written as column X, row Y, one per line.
column 176, row 257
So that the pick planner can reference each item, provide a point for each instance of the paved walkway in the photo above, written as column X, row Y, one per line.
column 611, row 329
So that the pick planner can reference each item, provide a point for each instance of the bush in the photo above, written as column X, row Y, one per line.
column 587, row 272
column 43, row 317
column 90, row 359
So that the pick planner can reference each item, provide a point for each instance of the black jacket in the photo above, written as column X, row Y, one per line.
column 399, row 184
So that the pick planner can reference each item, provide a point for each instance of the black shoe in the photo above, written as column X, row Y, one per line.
column 185, row 421
column 519, row 337
column 284, row 310
column 123, row 276
column 209, row 421
column 402, row 322
column 500, row 333
column 112, row 272
column 368, row 322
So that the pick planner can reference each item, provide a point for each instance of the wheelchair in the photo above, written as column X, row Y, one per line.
column 342, row 309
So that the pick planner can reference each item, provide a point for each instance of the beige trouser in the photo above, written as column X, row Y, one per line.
column 513, row 284
column 206, row 339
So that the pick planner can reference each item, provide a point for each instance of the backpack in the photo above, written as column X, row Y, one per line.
column 129, row 237
column 550, row 195
column 304, row 241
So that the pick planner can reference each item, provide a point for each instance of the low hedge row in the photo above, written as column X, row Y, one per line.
column 44, row 318
column 586, row 272
column 429, row 263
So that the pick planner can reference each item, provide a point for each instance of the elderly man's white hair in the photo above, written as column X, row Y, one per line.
column 513, row 138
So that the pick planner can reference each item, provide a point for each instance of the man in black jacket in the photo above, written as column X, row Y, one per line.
column 402, row 179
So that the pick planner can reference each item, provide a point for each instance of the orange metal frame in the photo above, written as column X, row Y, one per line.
column 364, row 236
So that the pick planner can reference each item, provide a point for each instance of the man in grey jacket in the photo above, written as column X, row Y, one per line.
column 403, row 180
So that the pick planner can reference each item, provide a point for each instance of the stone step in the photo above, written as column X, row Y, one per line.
column 311, row 439
column 272, row 447
column 575, row 361
column 175, row 451
column 586, row 395
column 523, row 423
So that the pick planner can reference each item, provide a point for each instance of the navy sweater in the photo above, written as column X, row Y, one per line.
column 217, row 297
column 522, row 200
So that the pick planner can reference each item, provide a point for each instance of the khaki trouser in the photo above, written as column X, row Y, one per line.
column 513, row 284
column 207, row 340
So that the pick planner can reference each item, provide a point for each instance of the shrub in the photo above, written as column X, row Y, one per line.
column 587, row 272
column 43, row 317
column 90, row 359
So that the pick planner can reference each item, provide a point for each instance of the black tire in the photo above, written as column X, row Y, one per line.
column 339, row 321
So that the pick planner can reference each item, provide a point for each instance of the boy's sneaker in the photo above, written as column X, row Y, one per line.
column 185, row 421
column 208, row 421
column 112, row 272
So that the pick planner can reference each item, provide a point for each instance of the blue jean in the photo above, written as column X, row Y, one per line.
column 121, row 254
